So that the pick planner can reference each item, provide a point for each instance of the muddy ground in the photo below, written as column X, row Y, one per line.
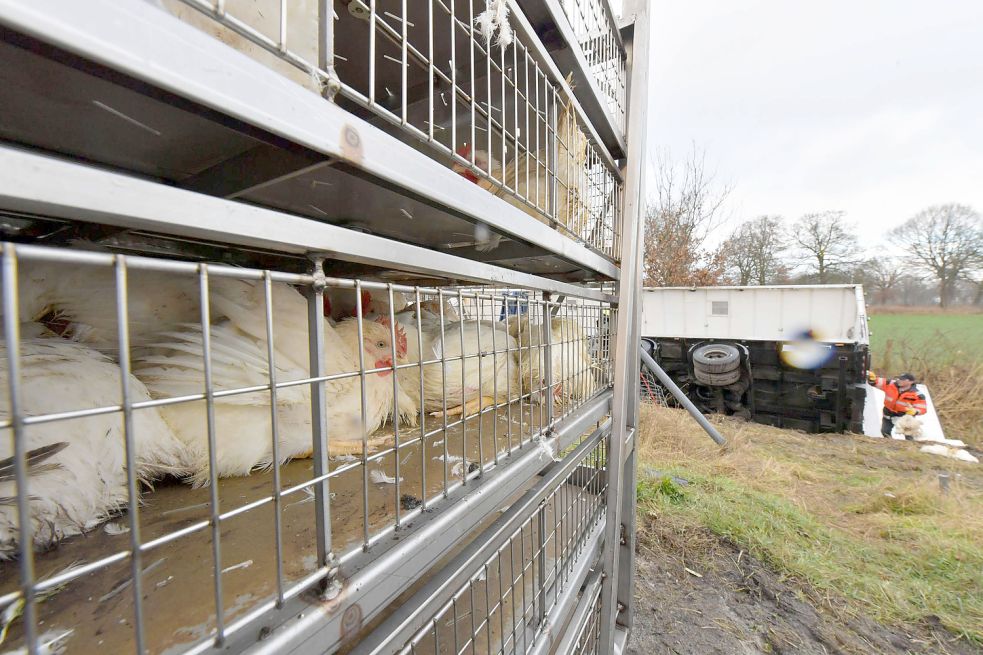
column 741, row 607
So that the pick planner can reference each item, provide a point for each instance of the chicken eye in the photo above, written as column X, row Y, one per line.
column 380, row 344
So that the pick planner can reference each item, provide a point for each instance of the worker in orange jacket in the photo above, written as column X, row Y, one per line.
column 901, row 396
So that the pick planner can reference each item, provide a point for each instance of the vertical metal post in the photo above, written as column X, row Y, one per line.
column 25, row 550
column 133, row 492
column 274, row 434
column 319, row 415
column 617, row 575
column 325, row 50
column 546, row 351
column 215, row 510
column 541, row 563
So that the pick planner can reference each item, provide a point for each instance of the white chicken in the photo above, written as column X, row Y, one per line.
column 77, row 468
column 82, row 304
column 174, row 366
column 571, row 363
column 488, row 369
column 341, row 303
column 528, row 176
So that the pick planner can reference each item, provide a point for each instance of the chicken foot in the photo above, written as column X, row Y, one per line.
column 336, row 447
column 467, row 409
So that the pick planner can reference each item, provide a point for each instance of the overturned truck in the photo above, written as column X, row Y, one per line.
column 789, row 356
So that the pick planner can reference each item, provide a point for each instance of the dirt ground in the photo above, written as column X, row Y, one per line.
column 696, row 594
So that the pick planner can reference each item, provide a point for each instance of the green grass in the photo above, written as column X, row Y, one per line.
column 942, row 338
column 852, row 518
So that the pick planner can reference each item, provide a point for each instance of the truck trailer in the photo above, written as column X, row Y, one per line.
column 790, row 356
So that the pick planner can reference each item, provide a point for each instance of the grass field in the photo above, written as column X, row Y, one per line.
column 942, row 349
column 859, row 523
column 940, row 338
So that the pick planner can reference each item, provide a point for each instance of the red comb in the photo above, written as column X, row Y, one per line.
column 327, row 305
column 465, row 151
column 400, row 335
column 366, row 303
column 400, row 341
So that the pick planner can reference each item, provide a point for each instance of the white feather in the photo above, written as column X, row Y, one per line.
column 86, row 297
column 570, row 359
column 950, row 452
column 174, row 366
column 88, row 482
column 488, row 370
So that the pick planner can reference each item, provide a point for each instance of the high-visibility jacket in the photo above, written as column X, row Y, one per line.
column 897, row 402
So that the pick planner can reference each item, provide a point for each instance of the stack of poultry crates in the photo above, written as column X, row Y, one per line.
column 354, row 285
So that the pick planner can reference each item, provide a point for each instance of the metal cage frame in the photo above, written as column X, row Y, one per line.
column 560, row 553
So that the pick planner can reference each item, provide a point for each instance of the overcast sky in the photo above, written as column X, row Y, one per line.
column 874, row 107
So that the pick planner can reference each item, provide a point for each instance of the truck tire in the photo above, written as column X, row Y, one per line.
column 718, row 379
column 716, row 358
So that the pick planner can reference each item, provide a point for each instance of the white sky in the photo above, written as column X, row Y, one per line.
column 874, row 107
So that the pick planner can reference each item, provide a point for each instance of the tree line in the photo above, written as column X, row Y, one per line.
column 940, row 248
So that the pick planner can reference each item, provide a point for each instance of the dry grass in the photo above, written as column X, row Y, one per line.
column 957, row 392
column 956, row 386
column 859, row 519
column 945, row 351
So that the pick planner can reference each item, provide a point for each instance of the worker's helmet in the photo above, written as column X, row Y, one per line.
column 907, row 376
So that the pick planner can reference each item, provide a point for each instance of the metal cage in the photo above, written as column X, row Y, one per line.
column 349, row 370
column 499, row 113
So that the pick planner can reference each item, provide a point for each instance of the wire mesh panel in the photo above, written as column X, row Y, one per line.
column 478, row 100
column 225, row 438
column 502, row 606
column 597, row 34
column 589, row 633
column 482, row 99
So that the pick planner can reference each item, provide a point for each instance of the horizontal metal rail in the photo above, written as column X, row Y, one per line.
column 92, row 194
column 397, row 564
column 419, row 609
column 247, row 91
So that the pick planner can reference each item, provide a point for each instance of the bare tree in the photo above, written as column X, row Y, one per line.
column 883, row 275
column 913, row 290
column 826, row 243
column 975, row 280
column 945, row 241
column 688, row 207
column 738, row 256
column 754, row 249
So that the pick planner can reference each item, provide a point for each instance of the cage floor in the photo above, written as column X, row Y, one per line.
column 178, row 582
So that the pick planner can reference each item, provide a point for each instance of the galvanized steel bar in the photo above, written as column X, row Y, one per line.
column 319, row 412
column 264, row 101
column 626, row 361
column 683, row 399
column 130, row 455
column 91, row 194
column 416, row 611
column 215, row 521
column 25, row 532
column 307, row 628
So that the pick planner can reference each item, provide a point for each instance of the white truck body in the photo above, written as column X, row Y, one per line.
column 834, row 313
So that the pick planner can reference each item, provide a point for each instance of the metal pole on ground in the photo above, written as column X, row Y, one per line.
column 681, row 397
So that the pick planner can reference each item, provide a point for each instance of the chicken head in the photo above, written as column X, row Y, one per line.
column 378, row 345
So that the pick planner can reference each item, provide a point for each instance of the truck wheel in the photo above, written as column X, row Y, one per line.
column 716, row 358
column 717, row 379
